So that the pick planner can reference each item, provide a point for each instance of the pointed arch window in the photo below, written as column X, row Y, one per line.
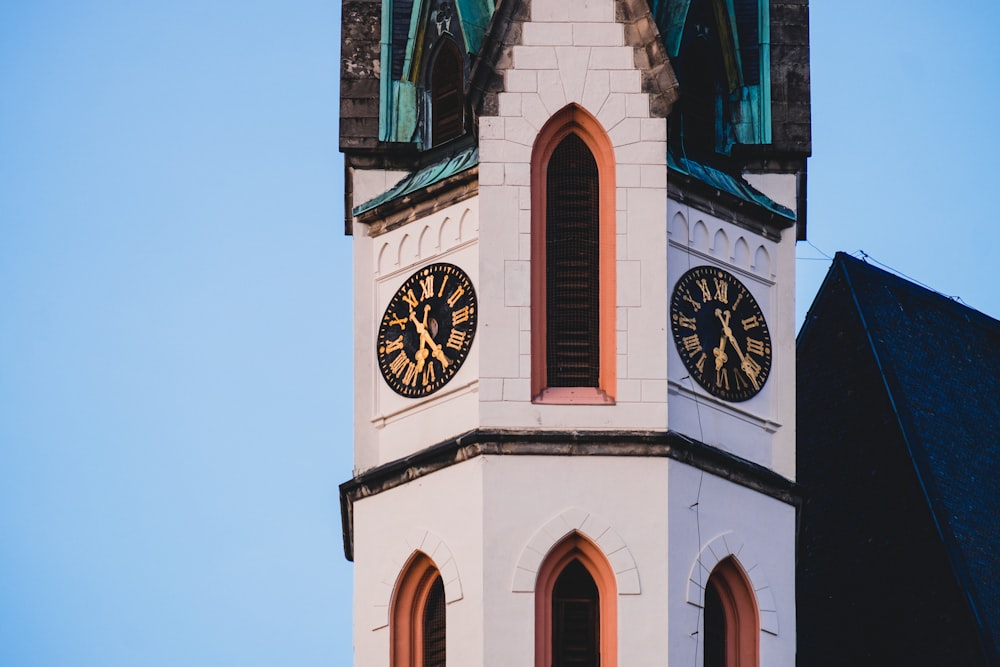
column 447, row 98
column 732, row 620
column 576, row 607
column 417, row 617
column 573, row 261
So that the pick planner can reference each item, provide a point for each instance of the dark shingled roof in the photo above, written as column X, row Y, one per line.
column 939, row 364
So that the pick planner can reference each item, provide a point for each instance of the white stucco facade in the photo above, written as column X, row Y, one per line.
column 487, row 522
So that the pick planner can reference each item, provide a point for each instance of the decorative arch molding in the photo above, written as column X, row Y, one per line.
column 418, row 542
column 427, row 244
column 468, row 226
column 408, row 251
column 679, row 229
column 741, row 255
column 720, row 245
column 712, row 238
column 383, row 259
column 762, row 261
column 438, row 234
column 732, row 545
column 594, row 528
column 699, row 236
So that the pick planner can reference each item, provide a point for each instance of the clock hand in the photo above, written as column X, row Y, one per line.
column 426, row 337
column 720, row 354
column 746, row 365
column 727, row 331
column 422, row 353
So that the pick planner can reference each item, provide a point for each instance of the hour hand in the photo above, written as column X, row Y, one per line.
column 720, row 354
column 727, row 332
column 425, row 337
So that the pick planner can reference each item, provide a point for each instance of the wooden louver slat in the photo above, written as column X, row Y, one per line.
column 575, row 619
column 447, row 99
column 572, row 263
column 434, row 626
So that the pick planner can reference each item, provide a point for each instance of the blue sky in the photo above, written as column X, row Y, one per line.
column 175, row 299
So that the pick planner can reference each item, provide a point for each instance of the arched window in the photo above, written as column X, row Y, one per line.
column 417, row 616
column 576, row 618
column 576, row 607
column 732, row 621
column 447, row 106
column 573, row 261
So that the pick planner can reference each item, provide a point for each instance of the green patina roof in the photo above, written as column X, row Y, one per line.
column 422, row 178
column 469, row 157
column 727, row 183
column 475, row 16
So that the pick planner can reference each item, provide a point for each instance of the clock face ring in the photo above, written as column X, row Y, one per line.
column 427, row 329
column 720, row 333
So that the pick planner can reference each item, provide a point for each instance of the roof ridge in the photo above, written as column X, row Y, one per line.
column 905, row 282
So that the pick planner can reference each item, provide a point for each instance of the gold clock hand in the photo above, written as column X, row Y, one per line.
column 421, row 354
column 426, row 337
column 727, row 331
column 720, row 355
column 746, row 365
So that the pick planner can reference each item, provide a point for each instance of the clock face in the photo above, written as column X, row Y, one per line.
column 720, row 333
column 426, row 331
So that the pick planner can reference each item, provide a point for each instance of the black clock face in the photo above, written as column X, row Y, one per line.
column 427, row 330
column 720, row 333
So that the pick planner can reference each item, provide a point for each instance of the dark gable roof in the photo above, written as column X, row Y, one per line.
column 940, row 363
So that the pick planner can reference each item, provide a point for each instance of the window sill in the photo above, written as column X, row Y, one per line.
column 573, row 396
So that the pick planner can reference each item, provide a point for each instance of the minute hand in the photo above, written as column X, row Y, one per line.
column 426, row 337
column 747, row 365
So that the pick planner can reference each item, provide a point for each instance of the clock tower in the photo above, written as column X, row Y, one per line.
column 573, row 228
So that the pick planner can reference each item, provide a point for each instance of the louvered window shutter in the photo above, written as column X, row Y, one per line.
column 715, row 627
column 571, row 265
column 434, row 627
column 575, row 619
column 447, row 106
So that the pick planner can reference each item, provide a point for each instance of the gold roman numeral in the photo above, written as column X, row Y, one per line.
column 460, row 315
column 755, row 346
column 721, row 290
column 410, row 377
column 456, row 338
column 688, row 322
column 750, row 323
column 722, row 378
column 411, row 298
column 455, row 296
column 700, row 364
column 740, row 382
column 399, row 363
column 428, row 375
column 393, row 345
column 427, row 285
column 691, row 344
column 705, row 292
column 694, row 304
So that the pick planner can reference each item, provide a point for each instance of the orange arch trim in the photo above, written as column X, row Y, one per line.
column 576, row 120
column 406, row 636
column 739, row 606
column 576, row 547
